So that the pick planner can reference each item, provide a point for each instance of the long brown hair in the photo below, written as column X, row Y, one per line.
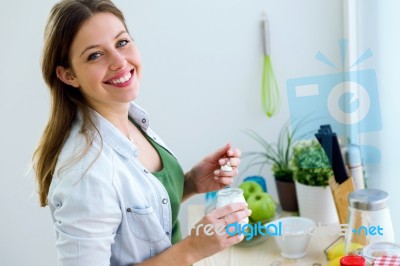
column 64, row 22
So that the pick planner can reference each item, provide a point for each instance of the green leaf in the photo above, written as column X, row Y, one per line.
column 311, row 165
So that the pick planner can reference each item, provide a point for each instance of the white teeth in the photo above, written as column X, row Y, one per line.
column 122, row 79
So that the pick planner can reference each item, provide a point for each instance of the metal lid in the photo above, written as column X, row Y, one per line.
column 368, row 199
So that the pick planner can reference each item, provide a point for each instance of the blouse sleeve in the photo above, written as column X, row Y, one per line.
column 86, row 215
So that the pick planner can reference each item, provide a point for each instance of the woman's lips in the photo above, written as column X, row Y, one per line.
column 122, row 79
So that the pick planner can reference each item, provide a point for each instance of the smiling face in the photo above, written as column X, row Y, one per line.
column 105, row 64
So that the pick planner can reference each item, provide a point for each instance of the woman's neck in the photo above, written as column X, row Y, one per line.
column 118, row 116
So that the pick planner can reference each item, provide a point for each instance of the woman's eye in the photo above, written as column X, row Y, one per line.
column 93, row 56
column 122, row 43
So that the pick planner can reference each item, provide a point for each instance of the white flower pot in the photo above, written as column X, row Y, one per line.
column 317, row 204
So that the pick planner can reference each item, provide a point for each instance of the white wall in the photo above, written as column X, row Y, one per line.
column 212, row 51
column 378, row 22
column 201, row 84
column 26, row 235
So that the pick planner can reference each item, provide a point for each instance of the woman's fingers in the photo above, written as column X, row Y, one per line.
column 229, row 209
column 221, row 173
column 221, row 152
column 234, row 217
column 234, row 152
column 234, row 239
column 224, row 181
column 233, row 162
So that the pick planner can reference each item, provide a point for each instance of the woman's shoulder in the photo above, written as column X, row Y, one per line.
column 81, row 156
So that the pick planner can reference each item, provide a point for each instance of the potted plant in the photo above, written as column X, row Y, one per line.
column 312, row 171
column 279, row 156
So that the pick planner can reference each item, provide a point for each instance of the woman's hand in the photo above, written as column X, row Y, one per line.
column 207, row 176
column 208, row 236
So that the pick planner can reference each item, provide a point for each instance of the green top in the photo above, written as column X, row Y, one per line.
column 172, row 177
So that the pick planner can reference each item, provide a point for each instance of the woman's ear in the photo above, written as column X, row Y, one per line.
column 67, row 76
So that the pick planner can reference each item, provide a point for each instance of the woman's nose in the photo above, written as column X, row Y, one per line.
column 118, row 61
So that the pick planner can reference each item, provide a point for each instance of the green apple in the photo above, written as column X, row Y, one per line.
column 262, row 206
column 250, row 187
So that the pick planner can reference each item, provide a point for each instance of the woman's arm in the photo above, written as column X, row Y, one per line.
column 179, row 254
column 86, row 215
column 188, row 187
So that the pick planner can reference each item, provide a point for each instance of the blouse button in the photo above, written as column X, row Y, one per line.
column 145, row 171
column 128, row 210
column 143, row 120
column 164, row 201
column 167, row 233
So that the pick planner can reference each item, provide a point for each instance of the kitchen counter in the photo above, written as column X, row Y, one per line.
column 267, row 252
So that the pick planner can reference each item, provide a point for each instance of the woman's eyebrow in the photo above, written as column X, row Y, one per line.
column 97, row 45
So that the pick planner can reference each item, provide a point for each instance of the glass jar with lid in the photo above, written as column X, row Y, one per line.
column 369, row 219
column 381, row 253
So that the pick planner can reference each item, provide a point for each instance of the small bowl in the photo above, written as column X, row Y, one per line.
column 292, row 235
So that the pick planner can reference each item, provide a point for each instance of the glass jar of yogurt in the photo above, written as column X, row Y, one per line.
column 231, row 195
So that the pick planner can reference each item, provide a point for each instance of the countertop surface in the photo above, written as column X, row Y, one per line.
column 266, row 252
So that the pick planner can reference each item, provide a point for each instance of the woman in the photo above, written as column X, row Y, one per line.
column 113, row 187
